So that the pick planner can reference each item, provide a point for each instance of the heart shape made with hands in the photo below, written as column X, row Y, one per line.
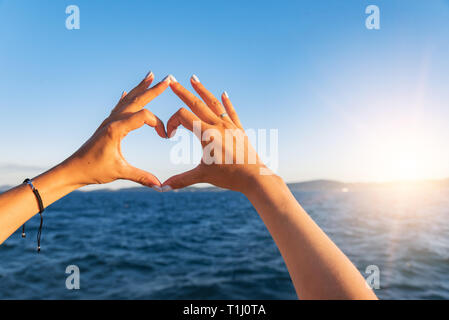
column 207, row 111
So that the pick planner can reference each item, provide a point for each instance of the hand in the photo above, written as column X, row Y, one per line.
column 229, row 161
column 100, row 159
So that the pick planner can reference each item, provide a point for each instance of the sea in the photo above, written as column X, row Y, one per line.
column 139, row 244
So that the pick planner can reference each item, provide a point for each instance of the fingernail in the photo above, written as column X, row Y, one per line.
column 195, row 78
column 172, row 134
column 166, row 188
column 170, row 79
column 149, row 74
column 226, row 94
column 173, row 79
column 157, row 188
column 167, row 78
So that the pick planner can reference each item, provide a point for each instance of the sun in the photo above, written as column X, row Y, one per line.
column 406, row 154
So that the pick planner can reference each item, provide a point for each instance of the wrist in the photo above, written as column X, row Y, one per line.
column 272, row 198
column 70, row 174
column 259, row 184
column 64, row 176
column 56, row 183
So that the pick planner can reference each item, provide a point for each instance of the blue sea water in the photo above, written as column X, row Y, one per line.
column 212, row 245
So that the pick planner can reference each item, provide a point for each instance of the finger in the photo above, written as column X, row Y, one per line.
column 144, row 97
column 195, row 104
column 184, row 179
column 138, row 119
column 143, row 85
column 141, row 176
column 119, row 103
column 230, row 110
column 188, row 120
column 207, row 96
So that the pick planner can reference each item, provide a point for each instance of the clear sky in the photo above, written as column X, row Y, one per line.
column 350, row 104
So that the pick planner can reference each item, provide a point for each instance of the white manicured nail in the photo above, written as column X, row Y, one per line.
column 157, row 188
column 172, row 134
column 195, row 78
column 166, row 188
column 226, row 94
column 148, row 74
column 170, row 79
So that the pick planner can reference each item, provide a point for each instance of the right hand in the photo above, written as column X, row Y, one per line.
column 239, row 174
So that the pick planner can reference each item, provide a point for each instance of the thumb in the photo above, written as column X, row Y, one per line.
column 142, row 177
column 183, row 180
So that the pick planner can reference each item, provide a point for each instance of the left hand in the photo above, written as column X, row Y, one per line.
column 100, row 159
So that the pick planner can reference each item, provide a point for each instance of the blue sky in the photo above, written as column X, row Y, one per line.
column 350, row 103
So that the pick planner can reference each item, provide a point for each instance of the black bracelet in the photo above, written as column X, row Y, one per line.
column 41, row 209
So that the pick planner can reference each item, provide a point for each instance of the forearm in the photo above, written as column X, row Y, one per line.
column 99, row 160
column 319, row 270
column 19, row 204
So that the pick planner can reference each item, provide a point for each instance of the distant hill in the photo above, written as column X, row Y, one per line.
column 317, row 185
column 330, row 185
column 313, row 185
column 320, row 185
